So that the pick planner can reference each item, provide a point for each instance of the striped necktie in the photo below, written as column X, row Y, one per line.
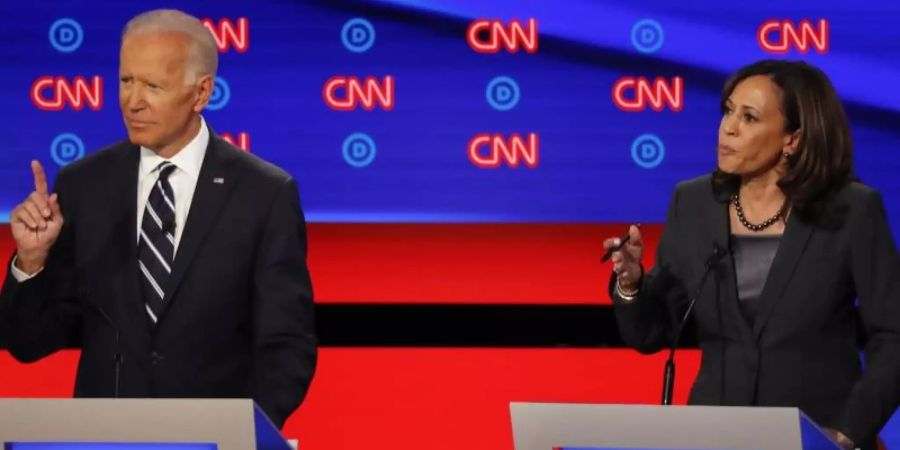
column 156, row 246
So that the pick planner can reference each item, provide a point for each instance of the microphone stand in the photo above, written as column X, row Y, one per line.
column 669, row 370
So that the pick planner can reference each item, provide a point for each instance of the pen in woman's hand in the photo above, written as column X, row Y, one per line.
column 622, row 241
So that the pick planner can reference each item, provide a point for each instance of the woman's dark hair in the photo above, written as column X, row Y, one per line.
column 823, row 161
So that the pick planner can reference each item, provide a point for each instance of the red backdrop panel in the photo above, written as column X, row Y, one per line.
column 484, row 263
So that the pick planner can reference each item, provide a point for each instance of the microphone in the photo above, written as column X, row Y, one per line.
column 718, row 252
column 117, row 354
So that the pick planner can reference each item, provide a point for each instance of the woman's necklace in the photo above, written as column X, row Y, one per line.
column 736, row 199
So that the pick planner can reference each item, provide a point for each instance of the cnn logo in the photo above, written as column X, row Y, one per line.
column 241, row 141
column 779, row 36
column 633, row 94
column 489, row 151
column 343, row 93
column 50, row 93
column 489, row 36
column 230, row 33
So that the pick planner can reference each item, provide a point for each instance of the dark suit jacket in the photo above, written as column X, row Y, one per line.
column 802, row 348
column 239, row 314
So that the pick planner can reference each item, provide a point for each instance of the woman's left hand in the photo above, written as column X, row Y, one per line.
column 840, row 438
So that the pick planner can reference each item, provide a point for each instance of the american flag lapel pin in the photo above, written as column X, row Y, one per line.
column 219, row 180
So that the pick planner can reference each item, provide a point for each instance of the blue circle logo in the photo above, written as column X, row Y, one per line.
column 359, row 150
column 66, row 35
column 358, row 35
column 66, row 148
column 647, row 35
column 502, row 93
column 648, row 151
column 220, row 95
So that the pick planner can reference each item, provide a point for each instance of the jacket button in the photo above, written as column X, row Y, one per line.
column 156, row 358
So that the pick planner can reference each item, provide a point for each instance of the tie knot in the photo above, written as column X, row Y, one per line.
column 165, row 169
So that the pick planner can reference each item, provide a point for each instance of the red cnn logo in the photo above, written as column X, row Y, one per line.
column 230, row 34
column 514, row 37
column 800, row 37
column 346, row 93
column 487, row 151
column 242, row 142
column 657, row 94
column 76, row 93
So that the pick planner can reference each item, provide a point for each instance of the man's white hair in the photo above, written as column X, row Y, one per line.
column 203, row 53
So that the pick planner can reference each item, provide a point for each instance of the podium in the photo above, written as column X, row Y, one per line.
column 546, row 426
column 139, row 424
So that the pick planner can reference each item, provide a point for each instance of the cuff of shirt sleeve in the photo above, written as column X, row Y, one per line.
column 20, row 275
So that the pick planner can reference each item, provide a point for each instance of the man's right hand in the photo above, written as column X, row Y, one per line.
column 36, row 223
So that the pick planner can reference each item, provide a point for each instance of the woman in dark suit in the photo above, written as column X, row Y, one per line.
column 802, row 263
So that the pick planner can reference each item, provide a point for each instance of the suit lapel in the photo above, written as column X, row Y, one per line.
column 793, row 242
column 725, row 276
column 215, row 182
column 131, row 317
column 124, row 175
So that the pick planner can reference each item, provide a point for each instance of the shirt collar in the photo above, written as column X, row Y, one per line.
column 189, row 159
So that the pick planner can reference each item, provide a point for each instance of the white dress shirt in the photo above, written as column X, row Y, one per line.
column 183, row 181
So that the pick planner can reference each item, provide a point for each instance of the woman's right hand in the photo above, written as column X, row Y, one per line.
column 627, row 261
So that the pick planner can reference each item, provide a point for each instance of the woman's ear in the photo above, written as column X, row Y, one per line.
column 791, row 142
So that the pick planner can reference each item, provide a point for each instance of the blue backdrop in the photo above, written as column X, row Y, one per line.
column 419, row 170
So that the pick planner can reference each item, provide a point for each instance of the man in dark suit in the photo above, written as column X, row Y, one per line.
column 176, row 261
